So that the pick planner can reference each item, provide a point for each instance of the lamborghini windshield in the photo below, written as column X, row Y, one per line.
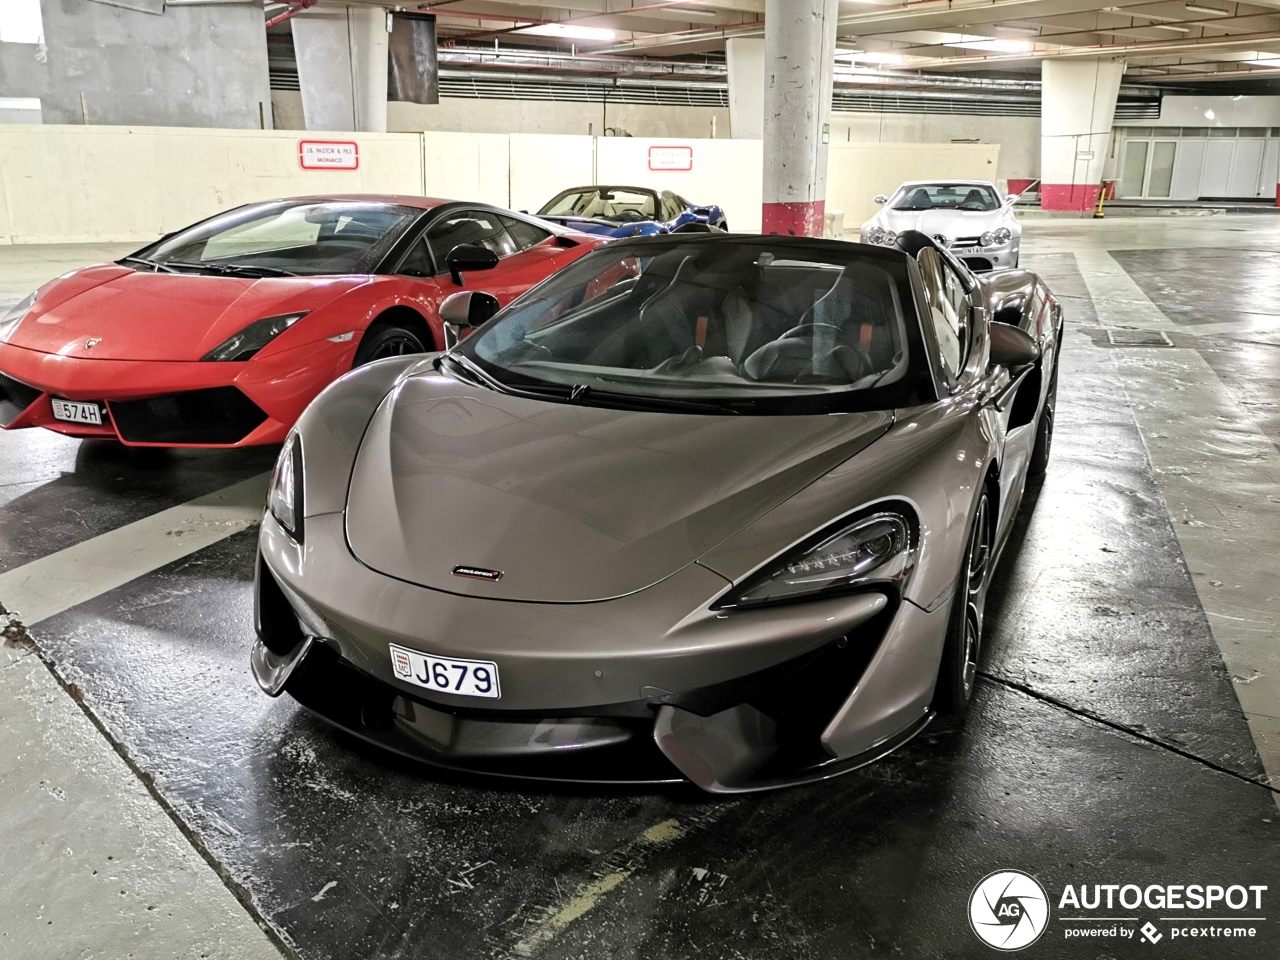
column 729, row 324
column 283, row 238
column 615, row 204
column 977, row 198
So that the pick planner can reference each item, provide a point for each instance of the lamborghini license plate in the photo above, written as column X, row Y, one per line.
column 72, row 411
column 465, row 678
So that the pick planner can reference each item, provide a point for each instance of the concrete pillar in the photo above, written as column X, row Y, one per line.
column 1077, row 106
column 342, row 67
column 745, row 58
column 799, row 58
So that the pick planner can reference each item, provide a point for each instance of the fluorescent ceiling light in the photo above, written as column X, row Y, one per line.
column 690, row 10
column 994, row 45
column 1170, row 26
column 568, row 31
column 877, row 56
column 1213, row 11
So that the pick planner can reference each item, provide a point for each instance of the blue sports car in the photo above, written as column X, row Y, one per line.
column 628, row 211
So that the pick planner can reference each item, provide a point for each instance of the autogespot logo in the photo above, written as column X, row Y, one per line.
column 1008, row 910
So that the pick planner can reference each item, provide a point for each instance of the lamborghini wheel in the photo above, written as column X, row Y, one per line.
column 959, row 672
column 391, row 340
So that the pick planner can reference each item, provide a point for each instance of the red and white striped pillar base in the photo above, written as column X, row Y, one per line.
column 802, row 219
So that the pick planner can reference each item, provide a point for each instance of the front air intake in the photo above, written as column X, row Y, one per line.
column 15, row 396
column 220, row 415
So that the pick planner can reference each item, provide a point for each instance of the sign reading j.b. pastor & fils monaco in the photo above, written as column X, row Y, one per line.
column 329, row 154
column 671, row 158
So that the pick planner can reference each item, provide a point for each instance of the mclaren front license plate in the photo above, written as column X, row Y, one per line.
column 465, row 678
column 72, row 411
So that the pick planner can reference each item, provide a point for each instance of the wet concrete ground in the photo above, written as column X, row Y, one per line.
column 1108, row 744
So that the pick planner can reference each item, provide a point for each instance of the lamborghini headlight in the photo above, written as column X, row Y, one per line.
column 886, row 238
column 875, row 549
column 253, row 337
column 10, row 319
column 284, row 496
column 997, row 238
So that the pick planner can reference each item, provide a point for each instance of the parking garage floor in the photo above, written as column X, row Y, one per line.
column 1126, row 731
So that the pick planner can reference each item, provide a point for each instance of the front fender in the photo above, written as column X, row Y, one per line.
column 333, row 426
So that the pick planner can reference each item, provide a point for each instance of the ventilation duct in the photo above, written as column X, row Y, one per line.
column 412, row 70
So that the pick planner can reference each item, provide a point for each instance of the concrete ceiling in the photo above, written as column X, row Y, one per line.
column 1162, row 42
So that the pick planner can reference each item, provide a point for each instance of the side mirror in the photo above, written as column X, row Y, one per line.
column 1011, row 347
column 462, row 311
column 881, row 199
column 469, row 256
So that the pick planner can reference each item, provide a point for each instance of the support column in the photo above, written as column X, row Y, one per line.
column 342, row 67
column 799, row 58
column 745, row 58
column 1077, row 106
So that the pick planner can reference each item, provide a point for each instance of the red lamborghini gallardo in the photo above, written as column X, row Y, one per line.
column 220, row 334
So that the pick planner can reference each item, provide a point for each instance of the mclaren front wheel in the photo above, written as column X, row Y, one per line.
column 1039, row 462
column 959, row 672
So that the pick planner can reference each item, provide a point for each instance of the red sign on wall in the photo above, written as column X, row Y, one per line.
column 671, row 158
column 329, row 154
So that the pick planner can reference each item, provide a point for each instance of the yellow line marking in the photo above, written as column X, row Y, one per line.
column 588, row 894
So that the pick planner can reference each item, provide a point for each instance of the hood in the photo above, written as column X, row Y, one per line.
column 160, row 316
column 949, row 223
column 570, row 503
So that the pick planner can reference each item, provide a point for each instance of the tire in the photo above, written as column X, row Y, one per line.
column 1039, row 461
column 387, row 340
column 957, row 676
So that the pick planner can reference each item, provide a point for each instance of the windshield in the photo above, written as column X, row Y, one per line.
column 616, row 204
column 741, row 325
column 290, row 237
column 945, row 196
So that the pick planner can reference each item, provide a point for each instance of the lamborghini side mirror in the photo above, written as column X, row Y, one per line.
column 462, row 311
column 1011, row 347
column 469, row 256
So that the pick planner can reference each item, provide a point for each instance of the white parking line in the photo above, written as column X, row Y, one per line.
column 1219, row 476
column 58, row 582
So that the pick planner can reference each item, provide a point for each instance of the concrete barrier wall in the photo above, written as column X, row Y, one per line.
column 77, row 184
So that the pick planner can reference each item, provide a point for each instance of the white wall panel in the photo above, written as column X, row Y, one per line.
column 467, row 166
column 542, row 166
column 1270, row 169
column 75, row 184
column 1246, row 168
column 1187, row 168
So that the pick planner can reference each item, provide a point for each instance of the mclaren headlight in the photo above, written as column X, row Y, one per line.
column 997, row 238
column 284, row 496
column 886, row 238
column 253, row 337
column 878, row 548
column 10, row 319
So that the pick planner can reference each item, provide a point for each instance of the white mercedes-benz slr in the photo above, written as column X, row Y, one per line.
column 967, row 216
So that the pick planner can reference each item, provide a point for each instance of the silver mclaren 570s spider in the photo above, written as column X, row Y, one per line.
column 720, row 509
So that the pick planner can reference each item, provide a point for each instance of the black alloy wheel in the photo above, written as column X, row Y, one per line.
column 386, row 341
column 959, row 673
column 1039, row 462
